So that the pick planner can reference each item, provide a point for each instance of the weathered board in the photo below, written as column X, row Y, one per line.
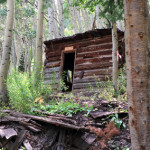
column 93, row 57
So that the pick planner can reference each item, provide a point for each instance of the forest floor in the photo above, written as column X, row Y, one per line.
column 81, row 131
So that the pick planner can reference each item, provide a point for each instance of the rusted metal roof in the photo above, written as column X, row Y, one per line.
column 81, row 36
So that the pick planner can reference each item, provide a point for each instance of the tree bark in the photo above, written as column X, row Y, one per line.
column 50, row 22
column 13, row 53
column 72, row 15
column 5, row 62
column 99, row 24
column 39, row 40
column 115, row 55
column 78, row 17
column 1, row 49
column 55, row 26
column 138, row 72
column 61, row 18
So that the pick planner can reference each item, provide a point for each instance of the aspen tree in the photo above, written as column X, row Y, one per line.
column 5, row 62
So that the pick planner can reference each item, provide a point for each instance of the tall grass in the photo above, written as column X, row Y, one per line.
column 22, row 91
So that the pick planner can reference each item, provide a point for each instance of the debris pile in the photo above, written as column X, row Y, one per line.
column 57, row 132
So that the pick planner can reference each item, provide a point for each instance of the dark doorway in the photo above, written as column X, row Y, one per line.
column 68, row 70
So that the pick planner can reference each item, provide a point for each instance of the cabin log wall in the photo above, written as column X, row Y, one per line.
column 93, row 60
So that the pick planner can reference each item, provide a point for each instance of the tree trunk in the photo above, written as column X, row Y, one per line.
column 86, row 20
column 7, row 50
column 115, row 55
column 138, row 73
column 99, row 24
column 13, row 53
column 78, row 17
column 72, row 15
column 61, row 18
column 1, row 49
column 50, row 22
column 39, row 40
column 55, row 26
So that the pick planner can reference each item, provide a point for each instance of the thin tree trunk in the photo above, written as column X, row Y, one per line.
column 73, row 20
column 39, row 40
column 115, row 55
column 1, row 49
column 55, row 26
column 86, row 23
column 13, row 53
column 61, row 18
column 26, row 56
column 99, row 24
column 29, row 56
column 78, row 17
column 50, row 22
column 7, row 49
column 138, row 73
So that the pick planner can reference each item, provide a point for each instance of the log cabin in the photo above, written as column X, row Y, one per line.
column 81, row 59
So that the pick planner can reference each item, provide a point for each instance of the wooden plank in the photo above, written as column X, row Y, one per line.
column 102, row 39
column 56, row 48
column 52, row 75
column 94, row 48
column 94, row 72
column 69, row 48
column 57, row 58
column 51, row 70
column 105, row 39
column 19, row 140
column 93, row 60
column 8, row 133
column 94, row 53
column 90, row 66
column 52, row 47
column 52, row 64
column 51, row 82
column 90, row 79
column 87, row 85
column 84, row 85
column 53, row 54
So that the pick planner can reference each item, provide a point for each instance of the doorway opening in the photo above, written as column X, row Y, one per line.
column 68, row 70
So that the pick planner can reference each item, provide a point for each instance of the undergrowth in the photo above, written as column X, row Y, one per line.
column 27, row 98
column 106, row 89
column 22, row 91
column 67, row 108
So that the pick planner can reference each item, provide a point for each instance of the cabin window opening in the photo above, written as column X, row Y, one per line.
column 68, row 70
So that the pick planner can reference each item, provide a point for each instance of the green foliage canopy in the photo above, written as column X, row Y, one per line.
column 111, row 10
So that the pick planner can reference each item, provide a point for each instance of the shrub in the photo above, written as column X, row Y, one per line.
column 22, row 92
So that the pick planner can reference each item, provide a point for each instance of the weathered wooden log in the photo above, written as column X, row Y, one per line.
column 90, row 79
column 51, row 70
column 53, row 64
column 95, row 72
column 49, row 120
column 92, row 54
column 93, row 60
column 84, row 42
column 90, row 66
column 101, row 47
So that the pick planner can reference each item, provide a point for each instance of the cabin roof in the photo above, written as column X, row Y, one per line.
column 81, row 36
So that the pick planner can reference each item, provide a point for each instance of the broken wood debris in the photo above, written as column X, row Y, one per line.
column 51, row 131
column 8, row 133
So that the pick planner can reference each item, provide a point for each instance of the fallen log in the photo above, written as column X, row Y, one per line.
column 58, row 121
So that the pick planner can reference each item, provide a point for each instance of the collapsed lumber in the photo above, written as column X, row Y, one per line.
column 51, row 130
